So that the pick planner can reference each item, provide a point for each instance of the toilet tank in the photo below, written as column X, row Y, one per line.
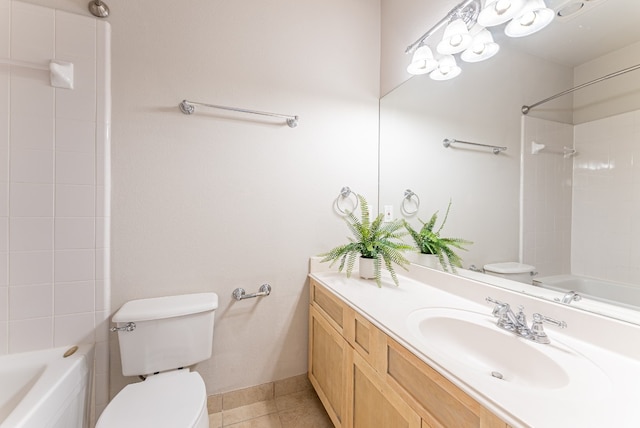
column 511, row 270
column 170, row 332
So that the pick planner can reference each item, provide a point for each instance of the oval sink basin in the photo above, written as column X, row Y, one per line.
column 473, row 341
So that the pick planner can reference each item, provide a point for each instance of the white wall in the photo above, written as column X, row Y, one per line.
column 54, row 155
column 217, row 200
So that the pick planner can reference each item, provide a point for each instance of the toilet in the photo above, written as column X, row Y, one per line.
column 159, row 339
column 511, row 270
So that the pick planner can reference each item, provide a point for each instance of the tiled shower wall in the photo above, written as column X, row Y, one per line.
column 546, row 196
column 54, row 185
column 606, row 199
column 580, row 214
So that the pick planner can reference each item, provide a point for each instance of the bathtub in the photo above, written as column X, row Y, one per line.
column 606, row 291
column 44, row 389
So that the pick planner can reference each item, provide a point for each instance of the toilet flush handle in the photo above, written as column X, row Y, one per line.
column 130, row 326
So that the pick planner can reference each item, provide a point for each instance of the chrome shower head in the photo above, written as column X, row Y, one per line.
column 98, row 8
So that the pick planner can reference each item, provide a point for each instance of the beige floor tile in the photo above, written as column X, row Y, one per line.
column 297, row 399
column 308, row 416
column 291, row 385
column 215, row 420
column 252, row 411
column 243, row 397
column 267, row 421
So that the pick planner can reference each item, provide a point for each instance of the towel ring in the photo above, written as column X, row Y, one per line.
column 345, row 193
column 409, row 196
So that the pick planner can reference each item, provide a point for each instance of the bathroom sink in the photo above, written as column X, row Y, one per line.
column 472, row 342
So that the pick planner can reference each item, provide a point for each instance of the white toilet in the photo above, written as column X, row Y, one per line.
column 159, row 338
column 512, row 270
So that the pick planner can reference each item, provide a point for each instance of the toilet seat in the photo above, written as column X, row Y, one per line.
column 167, row 400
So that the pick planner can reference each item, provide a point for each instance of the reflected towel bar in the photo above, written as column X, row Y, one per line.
column 241, row 294
column 496, row 149
column 188, row 107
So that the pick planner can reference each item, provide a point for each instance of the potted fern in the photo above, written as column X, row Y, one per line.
column 429, row 242
column 375, row 242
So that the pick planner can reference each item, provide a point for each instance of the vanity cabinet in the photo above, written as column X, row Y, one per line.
column 365, row 379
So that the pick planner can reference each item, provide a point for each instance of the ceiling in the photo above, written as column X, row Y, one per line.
column 600, row 27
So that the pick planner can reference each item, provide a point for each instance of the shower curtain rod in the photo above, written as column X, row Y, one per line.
column 526, row 109
column 188, row 107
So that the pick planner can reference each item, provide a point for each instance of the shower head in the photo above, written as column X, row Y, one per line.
column 98, row 8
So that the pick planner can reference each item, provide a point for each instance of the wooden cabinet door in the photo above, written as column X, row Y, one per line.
column 372, row 403
column 329, row 360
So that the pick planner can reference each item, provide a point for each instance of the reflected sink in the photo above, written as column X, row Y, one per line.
column 472, row 341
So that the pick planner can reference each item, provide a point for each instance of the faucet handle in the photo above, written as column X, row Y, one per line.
column 500, row 307
column 537, row 330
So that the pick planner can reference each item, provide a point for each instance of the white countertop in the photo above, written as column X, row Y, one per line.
column 609, row 397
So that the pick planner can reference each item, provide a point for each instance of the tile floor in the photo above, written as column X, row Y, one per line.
column 301, row 409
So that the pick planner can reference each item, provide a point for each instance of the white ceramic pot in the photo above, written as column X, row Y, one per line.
column 366, row 268
column 428, row 260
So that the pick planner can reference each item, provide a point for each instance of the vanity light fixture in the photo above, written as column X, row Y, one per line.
column 447, row 68
column 466, row 33
column 456, row 38
column 533, row 17
column 422, row 61
column 482, row 47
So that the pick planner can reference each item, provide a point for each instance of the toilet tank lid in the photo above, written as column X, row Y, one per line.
column 509, row 267
column 166, row 307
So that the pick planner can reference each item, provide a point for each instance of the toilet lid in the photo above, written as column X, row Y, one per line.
column 168, row 400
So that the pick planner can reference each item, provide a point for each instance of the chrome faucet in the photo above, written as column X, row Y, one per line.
column 517, row 323
column 569, row 297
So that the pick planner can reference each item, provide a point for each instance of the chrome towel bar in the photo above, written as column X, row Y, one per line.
column 188, row 107
column 496, row 149
column 241, row 294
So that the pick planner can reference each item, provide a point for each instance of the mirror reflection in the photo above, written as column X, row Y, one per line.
column 564, row 196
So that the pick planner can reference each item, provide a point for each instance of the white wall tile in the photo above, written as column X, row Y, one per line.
column 4, row 140
column 31, row 233
column 31, row 200
column 79, row 104
column 74, row 265
column 103, row 324
column 30, row 301
column 101, row 295
column 32, row 95
column 74, row 233
column 102, row 263
column 32, row 166
column 32, row 30
column 75, row 36
column 4, row 269
column 74, row 297
column 4, row 234
column 75, row 168
column 4, row 198
column 75, row 135
column 26, row 136
column 4, row 304
column 4, row 338
column 5, row 28
column 73, row 329
column 30, row 335
column 75, row 200
column 103, row 230
column 102, row 357
column 32, row 267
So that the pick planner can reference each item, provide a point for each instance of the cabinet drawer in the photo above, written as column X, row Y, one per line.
column 439, row 402
column 329, row 305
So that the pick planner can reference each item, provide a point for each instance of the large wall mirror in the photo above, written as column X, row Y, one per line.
column 565, row 194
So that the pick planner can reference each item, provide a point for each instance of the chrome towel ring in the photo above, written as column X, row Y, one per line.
column 410, row 198
column 345, row 193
